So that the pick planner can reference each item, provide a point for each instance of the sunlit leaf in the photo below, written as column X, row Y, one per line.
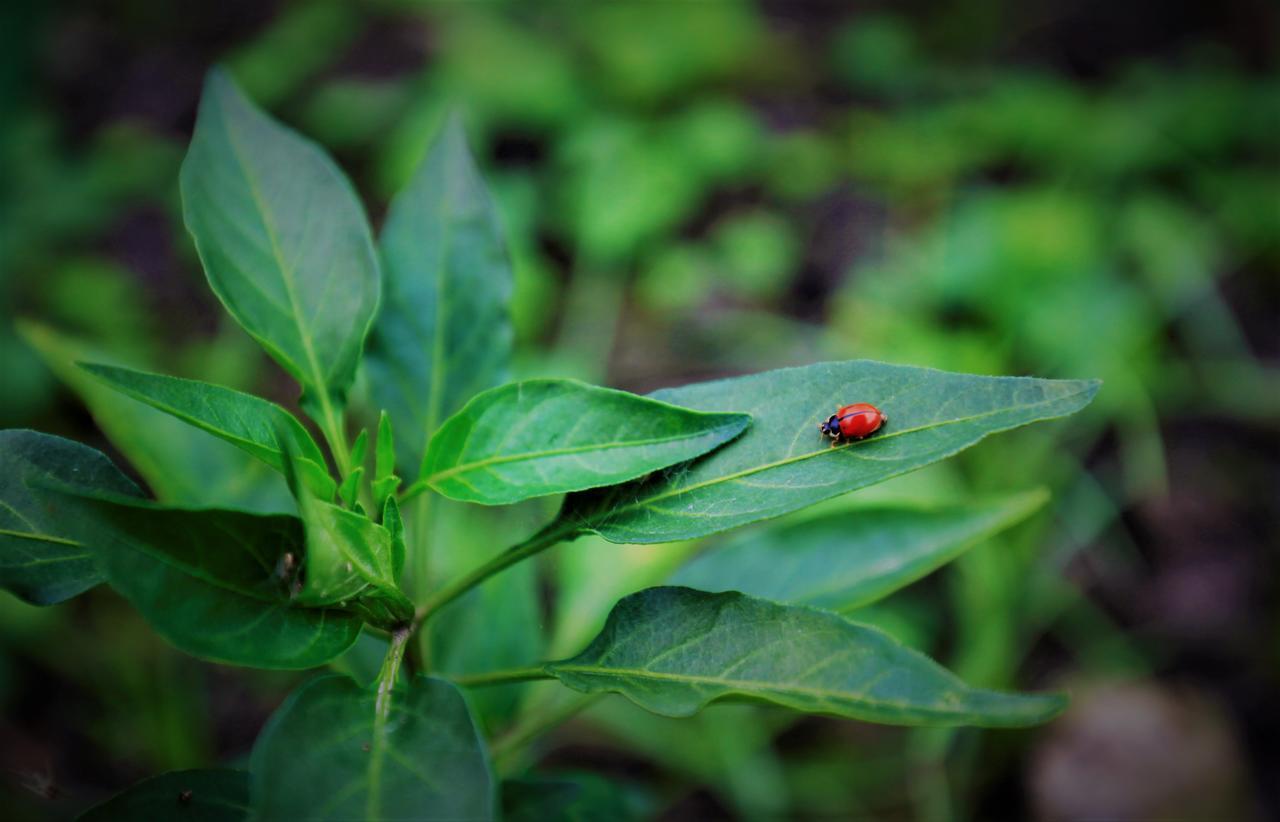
column 284, row 242
column 674, row 650
column 248, row 422
column 782, row 463
column 542, row 437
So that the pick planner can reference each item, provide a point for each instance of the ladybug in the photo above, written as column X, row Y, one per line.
column 853, row 422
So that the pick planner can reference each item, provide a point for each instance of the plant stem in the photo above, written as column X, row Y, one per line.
column 413, row 491
column 332, row 427
column 391, row 668
column 553, row 533
column 503, row 677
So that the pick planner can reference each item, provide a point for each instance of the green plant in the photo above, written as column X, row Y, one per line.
column 287, row 249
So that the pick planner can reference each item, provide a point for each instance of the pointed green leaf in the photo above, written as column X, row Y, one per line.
column 248, row 422
column 844, row 561
column 47, row 545
column 674, row 650
column 284, row 242
column 385, row 481
column 443, row 334
column 783, row 463
column 182, row 464
column 335, row 750
column 540, row 437
column 219, row 584
column 213, row 795
column 360, row 448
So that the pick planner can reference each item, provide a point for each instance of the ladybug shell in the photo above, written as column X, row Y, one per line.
column 859, row 420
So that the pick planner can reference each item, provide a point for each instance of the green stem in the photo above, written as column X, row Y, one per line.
column 331, row 426
column 391, row 664
column 413, row 491
column 553, row 533
column 503, row 677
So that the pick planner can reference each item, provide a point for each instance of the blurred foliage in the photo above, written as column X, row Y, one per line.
column 691, row 190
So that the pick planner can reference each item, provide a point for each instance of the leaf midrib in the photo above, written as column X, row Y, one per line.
column 746, row 685
column 639, row 503
column 558, row 452
column 286, row 274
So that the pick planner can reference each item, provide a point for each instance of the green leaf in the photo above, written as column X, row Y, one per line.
column 47, row 546
column 252, row 424
column 213, row 795
column 219, row 584
column 335, row 750
column 844, row 561
column 351, row 561
column 783, row 463
column 385, row 481
column 284, row 242
column 674, row 650
column 443, row 334
column 182, row 464
column 539, row 437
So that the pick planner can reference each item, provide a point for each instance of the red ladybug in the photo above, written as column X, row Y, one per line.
column 853, row 422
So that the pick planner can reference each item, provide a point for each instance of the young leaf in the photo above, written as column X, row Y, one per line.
column 47, row 546
column 350, row 560
column 847, row 560
column 219, row 584
column 182, row 464
column 411, row 752
column 213, row 795
column 540, row 437
column 284, row 242
column 783, row 463
column 252, row 424
column 443, row 333
column 385, row 481
column 349, row 490
column 674, row 650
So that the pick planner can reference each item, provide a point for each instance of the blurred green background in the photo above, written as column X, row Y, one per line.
column 698, row 189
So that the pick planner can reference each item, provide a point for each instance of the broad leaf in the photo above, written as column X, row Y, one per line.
column 182, row 464
column 219, row 584
column 252, row 424
column 335, row 750
column 214, row 795
column 443, row 334
column 540, row 437
column 783, row 463
column 847, row 560
column 674, row 650
column 47, row 546
column 284, row 242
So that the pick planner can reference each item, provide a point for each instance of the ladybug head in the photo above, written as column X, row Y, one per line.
column 831, row 427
